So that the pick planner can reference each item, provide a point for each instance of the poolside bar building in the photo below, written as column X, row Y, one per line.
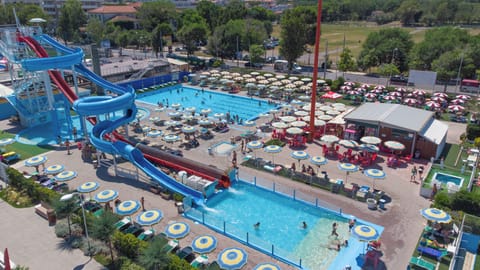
column 422, row 135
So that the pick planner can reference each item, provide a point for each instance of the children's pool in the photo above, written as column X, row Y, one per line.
column 446, row 178
column 237, row 209
column 246, row 108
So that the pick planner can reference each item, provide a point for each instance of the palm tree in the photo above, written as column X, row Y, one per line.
column 65, row 209
column 103, row 228
column 152, row 258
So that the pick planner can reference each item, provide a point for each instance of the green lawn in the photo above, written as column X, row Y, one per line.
column 24, row 150
column 450, row 154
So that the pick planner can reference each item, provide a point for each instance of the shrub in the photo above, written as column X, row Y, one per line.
column 468, row 202
column 61, row 228
column 127, row 244
column 275, row 142
column 442, row 200
column 74, row 241
column 178, row 264
column 178, row 197
column 96, row 247
column 473, row 131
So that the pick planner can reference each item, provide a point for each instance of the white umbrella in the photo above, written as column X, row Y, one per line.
column 300, row 113
column 294, row 130
column 280, row 125
column 298, row 124
column 37, row 20
column 288, row 118
column 329, row 138
column 325, row 117
column 370, row 140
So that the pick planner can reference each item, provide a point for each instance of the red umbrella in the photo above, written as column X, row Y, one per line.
column 432, row 104
column 370, row 95
column 438, row 99
column 377, row 91
column 410, row 101
column 395, row 94
column 331, row 95
column 390, row 98
column 6, row 260
column 457, row 101
column 456, row 108
column 379, row 87
column 419, row 92
column 463, row 97
column 401, row 89
column 440, row 94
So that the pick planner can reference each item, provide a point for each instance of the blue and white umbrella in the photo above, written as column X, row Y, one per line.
column 205, row 111
column 65, row 176
column 177, row 230
column 365, row 233
column 188, row 129
column 204, row 122
column 190, row 109
column 369, row 148
column 254, row 145
column 175, row 114
column 88, row 187
column 319, row 161
column 35, row 161
column 370, row 140
column 272, row 149
column 171, row 123
column 176, row 105
column 54, row 169
column 149, row 218
column 299, row 155
column 375, row 174
column 232, row 258
column 204, row 244
column 155, row 133
column 171, row 138
column 106, row 196
column 128, row 208
column 348, row 168
column 436, row 215
column 266, row 266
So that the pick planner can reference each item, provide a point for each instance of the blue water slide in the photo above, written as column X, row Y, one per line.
column 62, row 62
column 125, row 100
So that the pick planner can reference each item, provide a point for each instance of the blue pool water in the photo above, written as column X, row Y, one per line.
column 246, row 108
column 280, row 220
column 445, row 178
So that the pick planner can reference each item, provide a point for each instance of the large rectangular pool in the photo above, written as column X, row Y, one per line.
column 237, row 209
column 246, row 108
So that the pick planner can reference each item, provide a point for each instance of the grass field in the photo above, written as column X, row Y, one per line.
column 25, row 151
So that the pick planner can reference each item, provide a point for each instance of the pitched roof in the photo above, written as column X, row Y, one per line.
column 392, row 115
column 435, row 131
column 114, row 9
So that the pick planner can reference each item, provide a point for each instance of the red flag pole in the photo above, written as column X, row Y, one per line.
column 6, row 260
column 315, row 71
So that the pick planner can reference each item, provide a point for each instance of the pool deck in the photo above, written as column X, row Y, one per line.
column 401, row 220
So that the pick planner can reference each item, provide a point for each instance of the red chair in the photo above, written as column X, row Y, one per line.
column 372, row 256
column 408, row 159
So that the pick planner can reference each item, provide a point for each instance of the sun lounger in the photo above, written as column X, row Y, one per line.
column 213, row 266
column 200, row 261
column 146, row 235
column 171, row 246
column 186, row 253
column 437, row 253
column 121, row 223
column 422, row 263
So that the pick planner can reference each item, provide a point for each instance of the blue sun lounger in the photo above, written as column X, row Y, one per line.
column 422, row 263
column 437, row 253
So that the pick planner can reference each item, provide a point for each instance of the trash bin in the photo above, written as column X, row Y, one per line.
column 52, row 218
column 381, row 204
column 210, row 151
column 179, row 207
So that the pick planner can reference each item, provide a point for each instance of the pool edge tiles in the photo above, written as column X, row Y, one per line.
column 235, row 228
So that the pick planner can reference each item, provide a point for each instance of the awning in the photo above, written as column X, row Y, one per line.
column 5, row 91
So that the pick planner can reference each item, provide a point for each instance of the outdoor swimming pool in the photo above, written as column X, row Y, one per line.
column 235, row 210
column 445, row 178
column 245, row 108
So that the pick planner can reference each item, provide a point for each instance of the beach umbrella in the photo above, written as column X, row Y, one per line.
column 154, row 119
column 332, row 112
column 267, row 266
column 419, row 92
column 294, row 130
column 370, row 140
column 280, row 77
column 353, row 92
column 299, row 155
column 249, row 123
column 128, row 208
column 272, row 149
column 298, row 124
column 369, row 148
column 410, row 101
column 154, row 133
column 176, row 105
column 329, row 138
column 149, row 218
column 440, row 94
column 288, row 118
column 254, row 145
column 347, row 168
column 232, row 258
column 345, row 88
column 432, row 104
column 325, row 108
column 88, row 187
column 213, row 71
column 457, row 101
column 436, row 215
column 394, row 145
column 171, row 123
column 6, row 141
column 204, row 122
column 205, row 73
column 175, row 114
column 300, row 113
column 374, row 174
column 37, row 20
column 188, row 129
column 348, row 143
column 456, row 108
column 280, row 125
column 438, row 99
column 297, row 102
column 254, row 73
column 190, row 109
column 65, row 176
column 35, row 161
column 465, row 97
column 365, row 233
column 146, row 129
column 219, row 115
column 390, row 98
column 171, row 138
column 379, row 87
column 6, row 260
column 205, row 111
column 325, row 117
column 318, row 113
column 177, row 230
column 204, row 244
column 319, row 161
column 54, row 169
column 395, row 94
column 106, row 196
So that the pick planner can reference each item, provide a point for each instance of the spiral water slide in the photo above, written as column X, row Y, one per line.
column 97, row 105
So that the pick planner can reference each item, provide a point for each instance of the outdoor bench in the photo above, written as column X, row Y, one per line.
column 42, row 210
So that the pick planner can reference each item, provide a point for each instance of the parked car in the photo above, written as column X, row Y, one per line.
column 270, row 59
column 399, row 79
